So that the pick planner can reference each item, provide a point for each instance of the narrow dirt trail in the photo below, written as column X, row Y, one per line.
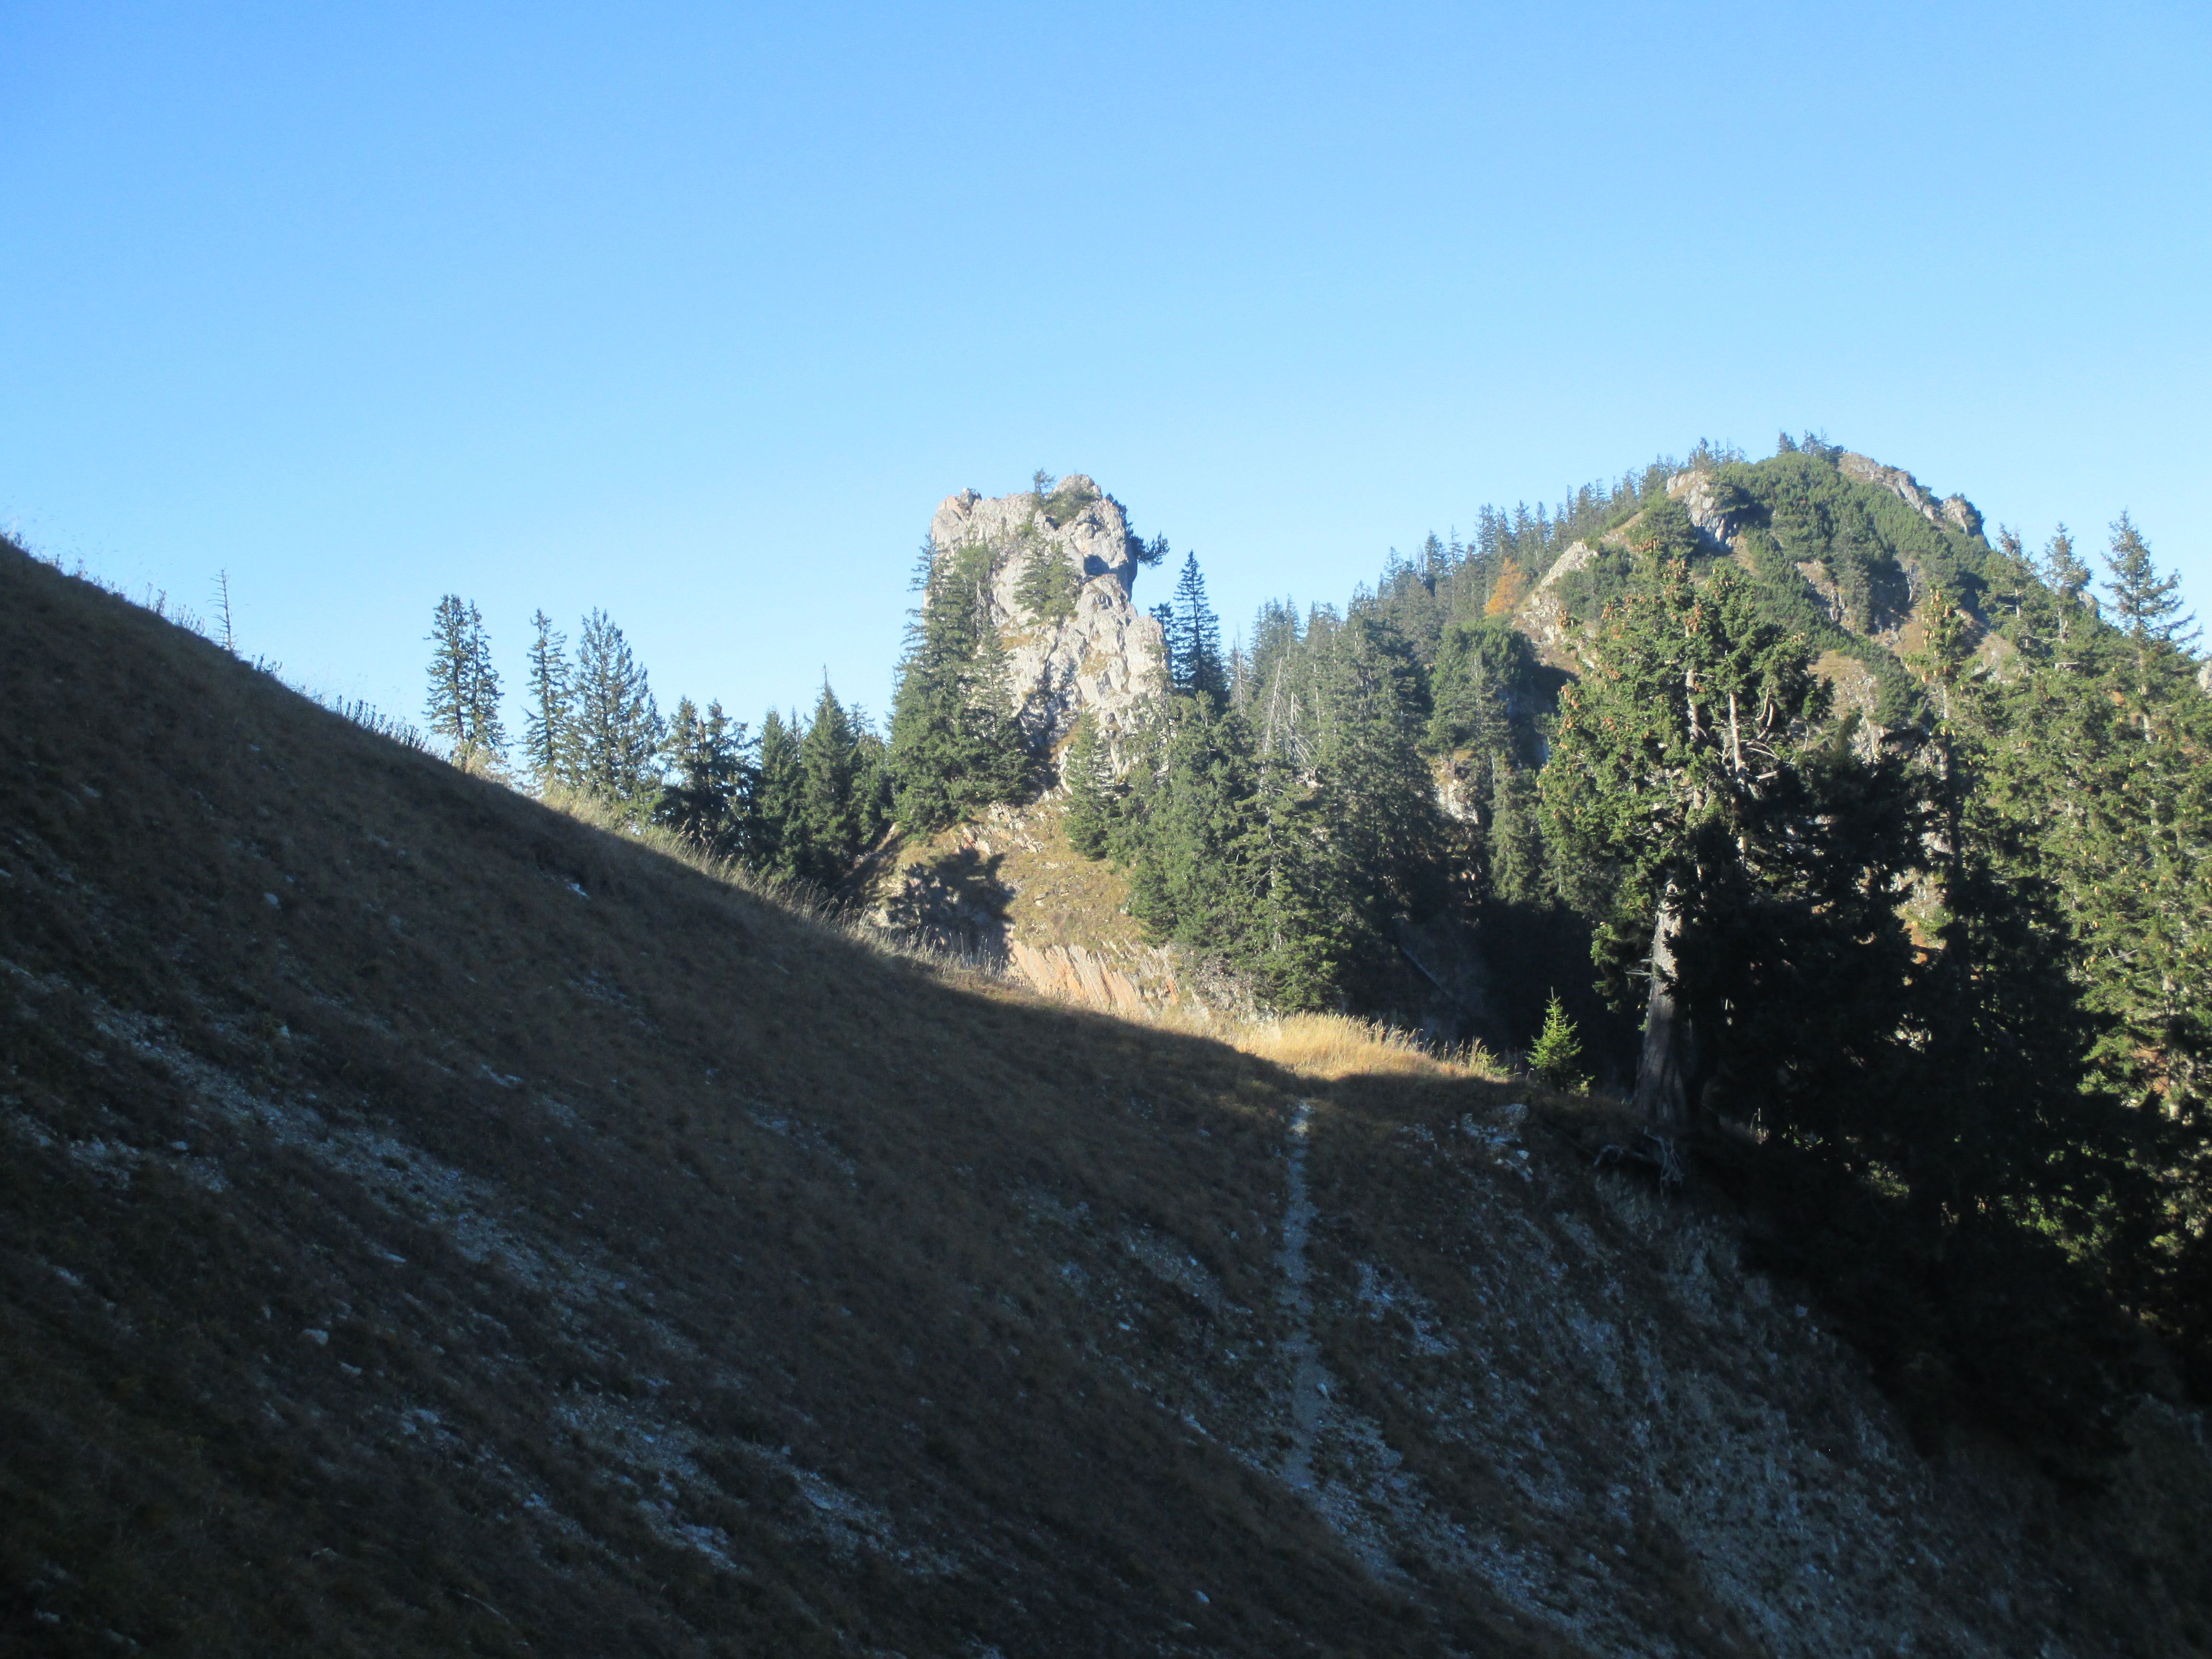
column 1308, row 1381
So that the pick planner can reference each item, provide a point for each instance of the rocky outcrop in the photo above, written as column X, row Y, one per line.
column 1096, row 979
column 1952, row 512
column 1577, row 558
column 1095, row 651
column 1715, row 511
column 1543, row 615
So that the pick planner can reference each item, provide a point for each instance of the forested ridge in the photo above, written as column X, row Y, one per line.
column 1866, row 852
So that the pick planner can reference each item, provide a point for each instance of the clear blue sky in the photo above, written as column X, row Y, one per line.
column 695, row 312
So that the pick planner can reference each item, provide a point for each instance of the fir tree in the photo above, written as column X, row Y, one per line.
column 1049, row 583
column 464, row 691
column 871, row 778
column 2000, row 1112
column 2067, row 574
column 2147, row 608
column 1171, row 650
column 1378, row 796
column 1195, row 797
column 2146, row 605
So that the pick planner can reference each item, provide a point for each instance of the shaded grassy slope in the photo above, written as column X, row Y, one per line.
column 428, row 1223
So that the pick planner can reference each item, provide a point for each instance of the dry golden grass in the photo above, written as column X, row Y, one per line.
column 1330, row 1048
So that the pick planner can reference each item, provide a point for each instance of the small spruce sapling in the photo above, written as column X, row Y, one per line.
column 1557, row 1059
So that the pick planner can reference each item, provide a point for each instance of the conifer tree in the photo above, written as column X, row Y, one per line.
column 1091, row 793
column 2067, row 574
column 1557, row 1057
column 708, row 797
column 955, row 745
column 2005, row 1120
column 1190, row 873
column 2147, row 608
column 1195, row 666
column 1668, row 754
column 1377, row 795
column 1049, row 583
column 831, row 824
column 464, row 691
column 548, row 740
column 1513, row 841
column 773, row 832
column 618, row 728
column 1172, row 651
column 871, row 778
column 1306, row 937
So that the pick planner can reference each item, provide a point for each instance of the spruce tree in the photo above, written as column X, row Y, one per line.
column 871, row 778
column 1088, row 779
column 1377, row 796
column 1049, row 583
column 2066, row 574
column 707, row 798
column 1172, row 652
column 618, row 728
column 1667, row 755
column 832, row 815
column 1195, row 796
column 2147, row 608
column 955, row 745
column 465, row 690
column 548, row 737
column 1557, row 1057
column 1303, row 938
column 775, row 832
column 1195, row 666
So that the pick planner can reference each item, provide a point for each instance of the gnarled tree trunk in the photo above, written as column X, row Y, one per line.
column 1662, row 1095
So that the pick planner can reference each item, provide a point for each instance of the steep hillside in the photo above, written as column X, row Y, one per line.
column 432, row 1224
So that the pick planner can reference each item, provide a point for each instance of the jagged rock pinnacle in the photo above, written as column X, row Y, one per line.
column 1095, row 650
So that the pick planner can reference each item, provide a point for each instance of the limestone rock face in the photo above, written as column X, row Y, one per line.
column 1104, row 654
column 1543, row 615
column 1701, row 497
column 1954, row 511
column 1131, row 986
